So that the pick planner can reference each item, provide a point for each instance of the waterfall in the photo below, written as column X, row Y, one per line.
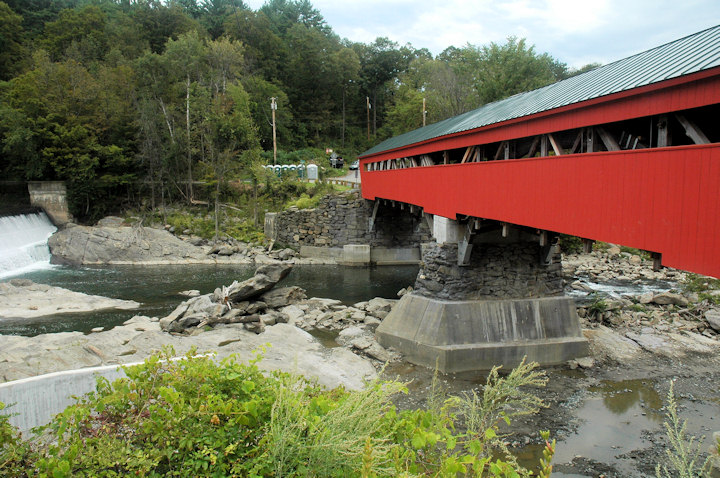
column 23, row 242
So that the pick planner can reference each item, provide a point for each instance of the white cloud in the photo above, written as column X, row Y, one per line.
column 574, row 31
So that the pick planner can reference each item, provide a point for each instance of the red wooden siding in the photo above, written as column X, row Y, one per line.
column 663, row 200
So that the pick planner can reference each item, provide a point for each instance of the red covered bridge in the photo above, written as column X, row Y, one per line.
column 628, row 153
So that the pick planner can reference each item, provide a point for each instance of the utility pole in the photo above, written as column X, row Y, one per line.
column 367, row 101
column 273, row 107
column 424, row 112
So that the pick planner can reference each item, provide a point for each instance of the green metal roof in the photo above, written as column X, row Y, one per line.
column 691, row 54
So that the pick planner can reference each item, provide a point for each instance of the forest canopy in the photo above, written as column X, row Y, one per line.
column 126, row 99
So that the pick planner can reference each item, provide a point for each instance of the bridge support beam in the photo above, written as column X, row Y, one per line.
column 504, row 303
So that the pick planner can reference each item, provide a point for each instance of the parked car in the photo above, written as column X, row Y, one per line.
column 355, row 165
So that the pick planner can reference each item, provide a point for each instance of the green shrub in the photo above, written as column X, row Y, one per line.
column 570, row 244
column 198, row 417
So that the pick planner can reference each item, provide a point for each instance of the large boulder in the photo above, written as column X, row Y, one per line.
column 265, row 278
column 120, row 245
column 276, row 271
column 283, row 296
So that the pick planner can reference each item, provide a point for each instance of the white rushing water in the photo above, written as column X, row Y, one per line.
column 23, row 242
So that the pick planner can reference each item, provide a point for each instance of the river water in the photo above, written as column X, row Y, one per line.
column 157, row 288
column 606, row 421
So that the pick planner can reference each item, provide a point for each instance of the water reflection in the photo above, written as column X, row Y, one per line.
column 157, row 287
column 620, row 397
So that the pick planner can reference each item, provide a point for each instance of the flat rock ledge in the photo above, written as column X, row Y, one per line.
column 22, row 298
column 289, row 349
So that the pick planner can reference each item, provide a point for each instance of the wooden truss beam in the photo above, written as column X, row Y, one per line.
column 607, row 139
column 692, row 130
column 555, row 145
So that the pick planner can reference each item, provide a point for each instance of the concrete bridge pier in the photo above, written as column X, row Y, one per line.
column 486, row 294
column 51, row 196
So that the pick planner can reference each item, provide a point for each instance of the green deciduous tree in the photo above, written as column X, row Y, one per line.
column 11, row 47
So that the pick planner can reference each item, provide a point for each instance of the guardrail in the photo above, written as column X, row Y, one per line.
column 343, row 182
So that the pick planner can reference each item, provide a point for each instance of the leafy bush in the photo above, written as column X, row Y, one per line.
column 570, row 244
column 198, row 417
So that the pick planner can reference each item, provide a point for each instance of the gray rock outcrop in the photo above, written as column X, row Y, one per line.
column 291, row 350
column 22, row 298
column 121, row 245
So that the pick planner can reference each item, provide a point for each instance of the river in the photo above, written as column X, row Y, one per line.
column 157, row 288
column 608, row 420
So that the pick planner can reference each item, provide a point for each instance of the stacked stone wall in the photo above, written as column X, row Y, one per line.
column 496, row 271
column 344, row 219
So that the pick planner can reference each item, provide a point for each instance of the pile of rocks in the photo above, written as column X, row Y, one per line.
column 252, row 302
column 612, row 264
column 227, row 247
column 255, row 304
column 663, row 312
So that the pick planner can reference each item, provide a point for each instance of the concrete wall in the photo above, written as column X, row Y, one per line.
column 52, row 197
column 38, row 399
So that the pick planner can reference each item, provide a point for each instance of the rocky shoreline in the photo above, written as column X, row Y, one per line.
column 22, row 298
column 620, row 329
column 666, row 333
column 113, row 242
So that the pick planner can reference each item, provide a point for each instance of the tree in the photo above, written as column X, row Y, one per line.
column 230, row 137
column 83, row 30
column 186, row 56
column 285, row 14
column 381, row 61
column 11, row 48
column 67, row 121
column 504, row 70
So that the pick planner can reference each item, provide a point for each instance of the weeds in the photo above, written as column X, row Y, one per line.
column 684, row 456
column 197, row 417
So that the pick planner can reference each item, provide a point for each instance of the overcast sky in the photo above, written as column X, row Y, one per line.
column 576, row 32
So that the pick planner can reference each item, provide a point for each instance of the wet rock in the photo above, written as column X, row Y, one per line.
column 22, row 298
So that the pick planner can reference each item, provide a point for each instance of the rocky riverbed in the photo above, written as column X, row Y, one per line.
column 660, row 331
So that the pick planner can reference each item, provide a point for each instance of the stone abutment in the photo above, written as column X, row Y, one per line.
column 504, row 303
column 339, row 228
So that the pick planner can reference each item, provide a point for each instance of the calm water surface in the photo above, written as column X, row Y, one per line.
column 157, row 287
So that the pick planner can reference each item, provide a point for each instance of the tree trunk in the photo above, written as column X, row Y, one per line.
column 187, row 125
column 217, row 210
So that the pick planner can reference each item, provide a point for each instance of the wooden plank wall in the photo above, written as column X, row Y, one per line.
column 663, row 200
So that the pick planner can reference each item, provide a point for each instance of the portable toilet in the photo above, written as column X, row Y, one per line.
column 277, row 169
column 312, row 172
column 301, row 171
